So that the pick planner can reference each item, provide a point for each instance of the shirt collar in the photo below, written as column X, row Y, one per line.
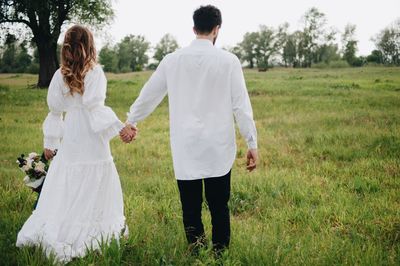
column 202, row 43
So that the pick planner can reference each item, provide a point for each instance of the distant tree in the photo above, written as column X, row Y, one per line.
column 293, row 54
column 315, row 34
column 388, row 43
column 45, row 18
column 23, row 59
column 269, row 42
column 167, row 44
column 376, row 57
column 237, row 50
column 15, row 57
column 350, row 52
column 248, row 48
column 34, row 67
column 289, row 52
column 108, row 57
column 8, row 54
column 327, row 53
column 314, row 43
column 132, row 53
column 359, row 61
column 349, row 44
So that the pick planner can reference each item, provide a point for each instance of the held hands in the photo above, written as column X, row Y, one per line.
column 252, row 157
column 128, row 133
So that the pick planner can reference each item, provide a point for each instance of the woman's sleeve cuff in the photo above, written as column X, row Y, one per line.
column 112, row 131
column 51, row 143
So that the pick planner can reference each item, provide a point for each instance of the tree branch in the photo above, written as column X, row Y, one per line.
column 62, row 13
column 33, row 22
column 15, row 21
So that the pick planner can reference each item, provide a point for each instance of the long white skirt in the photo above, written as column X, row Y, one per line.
column 81, row 202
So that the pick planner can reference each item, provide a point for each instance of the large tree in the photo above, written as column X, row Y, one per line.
column 108, row 57
column 375, row 57
column 269, row 43
column 327, row 53
column 292, row 48
column 315, row 34
column 132, row 53
column 44, row 18
column 167, row 44
column 248, row 47
column 349, row 44
column 388, row 43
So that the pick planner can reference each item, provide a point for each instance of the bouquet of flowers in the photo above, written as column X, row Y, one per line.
column 35, row 167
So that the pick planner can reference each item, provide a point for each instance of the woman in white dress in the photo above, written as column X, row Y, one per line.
column 81, row 203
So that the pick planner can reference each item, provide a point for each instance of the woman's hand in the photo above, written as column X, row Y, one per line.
column 128, row 133
column 48, row 154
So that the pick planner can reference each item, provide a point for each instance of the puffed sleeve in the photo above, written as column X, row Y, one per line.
column 103, row 120
column 53, row 124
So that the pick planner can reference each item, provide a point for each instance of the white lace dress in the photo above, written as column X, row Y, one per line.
column 81, row 201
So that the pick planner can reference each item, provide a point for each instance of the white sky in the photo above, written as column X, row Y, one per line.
column 155, row 18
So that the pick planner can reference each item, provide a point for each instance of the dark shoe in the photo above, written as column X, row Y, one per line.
column 194, row 248
column 219, row 250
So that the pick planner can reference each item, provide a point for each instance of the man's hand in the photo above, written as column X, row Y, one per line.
column 128, row 133
column 48, row 154
column 252, row 157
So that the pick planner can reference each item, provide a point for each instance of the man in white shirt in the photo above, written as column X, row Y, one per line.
column 206, row 91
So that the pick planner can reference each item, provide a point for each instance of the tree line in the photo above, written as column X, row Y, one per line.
column 131, row 53
column 315, row 43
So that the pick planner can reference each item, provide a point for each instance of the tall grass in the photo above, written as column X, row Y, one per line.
column 326, row 192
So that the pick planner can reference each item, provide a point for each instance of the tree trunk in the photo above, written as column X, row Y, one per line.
column 48, row 62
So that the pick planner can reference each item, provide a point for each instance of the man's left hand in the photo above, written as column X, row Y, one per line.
column 128, row 133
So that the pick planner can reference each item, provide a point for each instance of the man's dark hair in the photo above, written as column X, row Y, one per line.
column 206, row 18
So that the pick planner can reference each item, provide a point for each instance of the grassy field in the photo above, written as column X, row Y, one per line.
column 327, row 190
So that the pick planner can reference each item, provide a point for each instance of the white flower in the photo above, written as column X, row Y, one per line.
column 32, row 155
column 25, row 168
column 40, row 166
column 29, row 163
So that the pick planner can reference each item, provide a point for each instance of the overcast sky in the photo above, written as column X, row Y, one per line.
column 155, row 18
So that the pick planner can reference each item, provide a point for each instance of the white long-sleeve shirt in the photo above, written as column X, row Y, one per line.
column 206, row 91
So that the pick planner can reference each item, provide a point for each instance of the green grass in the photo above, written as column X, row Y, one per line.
column 326, row 192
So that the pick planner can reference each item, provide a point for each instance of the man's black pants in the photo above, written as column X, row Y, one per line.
column 217, row 192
